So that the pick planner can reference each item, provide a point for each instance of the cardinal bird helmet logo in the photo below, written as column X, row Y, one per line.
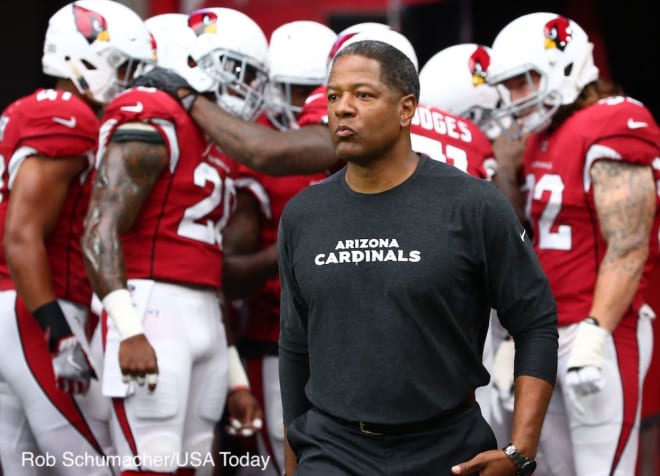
column 203, row 21
column 478, row 64
column 92, row 25
column 558, row 33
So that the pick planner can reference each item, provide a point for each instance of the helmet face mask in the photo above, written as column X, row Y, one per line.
column 554, row 47
column 240, row 83
column 231, row 49
column 531, row 112
column 90, row 41
column 297, row 62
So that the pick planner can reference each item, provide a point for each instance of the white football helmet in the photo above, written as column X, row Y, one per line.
column 174, row 43
column 297, row 55
column 386, row 35
column 93, row 43
column 351, row 31
column 454, row 80
column 553, row 46
column 232, row 49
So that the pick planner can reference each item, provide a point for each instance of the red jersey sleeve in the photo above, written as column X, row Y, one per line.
column 56, row 124
column 315, row 109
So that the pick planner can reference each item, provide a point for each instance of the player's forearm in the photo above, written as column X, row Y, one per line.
column 27, row 259
column 245, row 142
column 532, row 396
column 618, row 279
column 262, row 148
column 104, row 259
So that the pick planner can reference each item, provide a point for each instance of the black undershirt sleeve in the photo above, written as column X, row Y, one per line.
column 520, row 291
column 137, row 135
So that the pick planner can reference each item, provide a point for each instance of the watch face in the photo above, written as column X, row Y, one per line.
column 527, row 468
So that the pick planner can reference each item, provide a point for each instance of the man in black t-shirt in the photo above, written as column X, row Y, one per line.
column 389, row 269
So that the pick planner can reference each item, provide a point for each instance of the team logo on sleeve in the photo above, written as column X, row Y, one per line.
column 558, row 33
column 203, row 21
column 92, row 25
column 478, row 64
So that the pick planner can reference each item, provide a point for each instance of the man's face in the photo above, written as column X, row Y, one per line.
column 363, row 113
column 523, row 85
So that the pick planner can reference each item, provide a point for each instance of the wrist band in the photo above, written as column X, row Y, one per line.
column 588, row 346
column 50, row 317
column 238, row 379
column 119, row 306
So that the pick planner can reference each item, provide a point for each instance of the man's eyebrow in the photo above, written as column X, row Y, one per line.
column 353, row 86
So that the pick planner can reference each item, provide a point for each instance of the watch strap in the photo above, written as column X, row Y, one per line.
column 524, row 465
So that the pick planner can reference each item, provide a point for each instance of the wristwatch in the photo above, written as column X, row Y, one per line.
column 524, row 465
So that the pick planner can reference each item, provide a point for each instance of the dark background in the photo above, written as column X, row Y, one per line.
column 626, row 36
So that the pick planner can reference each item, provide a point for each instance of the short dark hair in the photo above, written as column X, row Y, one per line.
column 396, row 69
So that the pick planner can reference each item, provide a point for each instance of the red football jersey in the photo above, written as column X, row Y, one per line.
column 560, row 200
column 51, row 123
column 440, row 135
column 452, row 139
column 177, row 235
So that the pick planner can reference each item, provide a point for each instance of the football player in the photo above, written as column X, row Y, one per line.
column 153, row 251
column 51, row 402
column 591, row 172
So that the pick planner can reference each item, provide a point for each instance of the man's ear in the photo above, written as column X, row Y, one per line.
column 407, row 107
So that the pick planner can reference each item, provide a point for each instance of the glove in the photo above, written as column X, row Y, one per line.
column 169, row 81
column 502, row 373
column 586, row 359
column 72, row 368
column 70, row 363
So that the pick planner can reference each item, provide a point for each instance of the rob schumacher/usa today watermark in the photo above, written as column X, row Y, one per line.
column 194, row 459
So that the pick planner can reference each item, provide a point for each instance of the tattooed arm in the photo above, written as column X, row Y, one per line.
column 625, row 203
column 125, row 178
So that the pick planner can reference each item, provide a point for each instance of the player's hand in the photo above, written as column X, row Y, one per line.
column 73, row 371
column 70, row 363
column 169, row 81
column 488, row 463
column 245, row 414
column 503, row 373
column 585, row 361
column 137, row 361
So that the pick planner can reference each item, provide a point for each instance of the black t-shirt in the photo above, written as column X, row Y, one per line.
column 386, row 297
